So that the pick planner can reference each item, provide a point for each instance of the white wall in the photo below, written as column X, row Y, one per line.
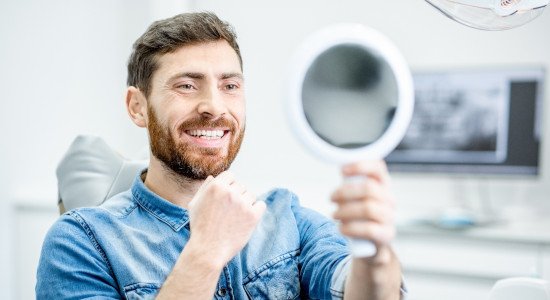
column 63, row 73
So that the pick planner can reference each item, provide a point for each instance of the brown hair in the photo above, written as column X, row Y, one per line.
column 166, row 36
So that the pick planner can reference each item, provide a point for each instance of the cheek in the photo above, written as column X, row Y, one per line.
column 242, row 118
column 166, row 126
column 239, row 113
column 177, row 115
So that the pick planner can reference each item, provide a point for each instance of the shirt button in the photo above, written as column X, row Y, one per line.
column 222, row 292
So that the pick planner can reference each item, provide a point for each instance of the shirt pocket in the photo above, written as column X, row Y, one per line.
column 277, row 279
column 141, row 291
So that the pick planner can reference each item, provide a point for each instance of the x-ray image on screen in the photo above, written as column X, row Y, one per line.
column 458, row 118
column 474, row 121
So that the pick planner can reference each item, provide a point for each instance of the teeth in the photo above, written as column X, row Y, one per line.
column 206, row 134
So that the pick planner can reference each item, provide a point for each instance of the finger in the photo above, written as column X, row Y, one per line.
column 258, row 208
column 352, row 191
column 207, row 181
column 203, row 186
column 372, row 190
column 239, row 188
column 364, row 211
column 249, row 197
column 226, row 177
column 379, row 234
column 375, row 169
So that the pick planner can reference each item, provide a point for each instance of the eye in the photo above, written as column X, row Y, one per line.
column 185, row 86
column 231, row 87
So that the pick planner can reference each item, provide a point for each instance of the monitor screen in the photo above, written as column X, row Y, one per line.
column 474, row 121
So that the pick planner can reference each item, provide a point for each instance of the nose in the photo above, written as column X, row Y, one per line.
column 212, row 104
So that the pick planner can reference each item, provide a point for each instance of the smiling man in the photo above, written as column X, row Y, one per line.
column 187, row 228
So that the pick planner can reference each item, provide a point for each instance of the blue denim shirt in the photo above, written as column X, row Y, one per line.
column 126, row 248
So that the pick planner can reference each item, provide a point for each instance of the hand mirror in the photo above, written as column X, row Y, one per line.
column 351, row 98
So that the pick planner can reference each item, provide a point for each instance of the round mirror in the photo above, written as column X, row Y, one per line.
column 351, row 94
column 351, row 98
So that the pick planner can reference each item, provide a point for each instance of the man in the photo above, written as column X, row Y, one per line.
column 187, row 228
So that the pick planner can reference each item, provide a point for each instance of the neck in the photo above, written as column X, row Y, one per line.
column 170, row 186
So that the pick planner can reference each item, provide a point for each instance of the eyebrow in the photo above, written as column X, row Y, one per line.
column 193, row 75
column 196, row 75
column 232, row 75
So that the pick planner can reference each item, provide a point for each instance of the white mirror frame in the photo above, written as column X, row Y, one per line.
column 380, row 47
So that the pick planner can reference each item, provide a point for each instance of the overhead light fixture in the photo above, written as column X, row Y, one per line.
column 491, row 14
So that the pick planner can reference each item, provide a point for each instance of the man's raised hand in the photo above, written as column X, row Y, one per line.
column 223, row 215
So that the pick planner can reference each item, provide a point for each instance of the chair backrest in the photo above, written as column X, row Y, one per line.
column 91, row 172
column 520, row 288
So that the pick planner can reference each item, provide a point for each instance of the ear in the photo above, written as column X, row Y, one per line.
column 136, row 104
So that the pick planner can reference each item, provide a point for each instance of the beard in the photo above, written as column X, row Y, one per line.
column 188, row 160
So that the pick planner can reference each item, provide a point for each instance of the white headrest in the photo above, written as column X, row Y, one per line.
column 91, row 172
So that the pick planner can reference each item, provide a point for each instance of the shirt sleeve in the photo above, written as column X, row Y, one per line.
column 323, row 249
column 72, row 265
column 325, row 259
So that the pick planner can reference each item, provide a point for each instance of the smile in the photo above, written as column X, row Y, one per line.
column 206, row 134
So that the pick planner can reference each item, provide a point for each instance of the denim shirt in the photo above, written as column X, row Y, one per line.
column 126, row 248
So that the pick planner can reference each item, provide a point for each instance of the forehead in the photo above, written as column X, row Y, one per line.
column 215, row 57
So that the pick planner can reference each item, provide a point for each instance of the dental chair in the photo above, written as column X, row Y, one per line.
column 91, row 172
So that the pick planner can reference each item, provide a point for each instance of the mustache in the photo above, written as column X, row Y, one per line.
column 202, row 122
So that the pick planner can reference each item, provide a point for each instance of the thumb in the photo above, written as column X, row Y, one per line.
column 200, row 191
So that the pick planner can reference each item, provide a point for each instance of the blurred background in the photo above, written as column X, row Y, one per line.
column 63, row 73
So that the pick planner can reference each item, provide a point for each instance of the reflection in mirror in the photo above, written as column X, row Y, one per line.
column 349, row 96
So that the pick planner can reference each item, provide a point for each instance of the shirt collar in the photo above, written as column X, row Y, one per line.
column 174, row 216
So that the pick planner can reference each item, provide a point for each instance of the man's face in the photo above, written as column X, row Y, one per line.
column 196, row 109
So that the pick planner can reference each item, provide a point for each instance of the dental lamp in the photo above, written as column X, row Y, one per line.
column 491, row 14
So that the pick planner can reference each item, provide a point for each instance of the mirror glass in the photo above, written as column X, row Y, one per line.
column 349, row 96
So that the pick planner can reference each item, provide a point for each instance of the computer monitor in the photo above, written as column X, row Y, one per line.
column 475, row 121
